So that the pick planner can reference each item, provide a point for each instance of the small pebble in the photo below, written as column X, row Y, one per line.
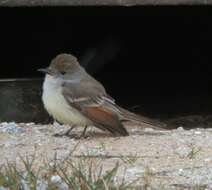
column 56, row 179
column 180, row 128
column 30, row 124
column 148, row 129
column 180, row 171
column 10, row 127
column 209, row 159
column 198, row 132
column 134, row 130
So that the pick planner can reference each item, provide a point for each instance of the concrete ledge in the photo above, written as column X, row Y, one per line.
column 169, row 159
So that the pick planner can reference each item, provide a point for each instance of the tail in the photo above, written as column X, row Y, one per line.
column 146, row 122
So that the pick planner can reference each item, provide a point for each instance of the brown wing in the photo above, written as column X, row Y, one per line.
column 106, row 119
column 89, row 99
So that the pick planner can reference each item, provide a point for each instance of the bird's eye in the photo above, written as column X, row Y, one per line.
column 63, row 72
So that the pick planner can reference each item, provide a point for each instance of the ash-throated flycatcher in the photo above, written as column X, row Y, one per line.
column 71, row 96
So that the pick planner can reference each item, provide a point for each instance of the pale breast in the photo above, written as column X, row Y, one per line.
column 57, row 106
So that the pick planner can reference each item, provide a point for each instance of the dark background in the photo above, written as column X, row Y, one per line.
column 154, row 60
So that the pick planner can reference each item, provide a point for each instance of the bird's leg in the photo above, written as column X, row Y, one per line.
column 56, row 124
column 67, row 133
column 83, row 133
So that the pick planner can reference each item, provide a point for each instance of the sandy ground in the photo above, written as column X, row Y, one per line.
column 171, row 159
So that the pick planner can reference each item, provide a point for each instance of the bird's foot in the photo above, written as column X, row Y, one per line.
column 67, row 133
column 82, row 135
column 73, row 136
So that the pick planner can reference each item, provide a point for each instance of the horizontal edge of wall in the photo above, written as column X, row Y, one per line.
column 14, row 3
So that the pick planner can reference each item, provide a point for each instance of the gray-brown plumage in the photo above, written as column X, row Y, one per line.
column 72, row 96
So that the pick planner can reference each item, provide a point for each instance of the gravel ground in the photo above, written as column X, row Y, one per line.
column 170, row 159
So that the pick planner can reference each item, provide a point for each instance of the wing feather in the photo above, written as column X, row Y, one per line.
column 99, row 109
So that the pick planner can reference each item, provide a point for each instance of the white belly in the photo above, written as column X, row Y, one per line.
column 57, row 106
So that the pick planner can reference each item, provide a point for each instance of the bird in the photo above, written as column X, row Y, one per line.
column 73, row 97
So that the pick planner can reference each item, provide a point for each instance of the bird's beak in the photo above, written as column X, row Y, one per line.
column 45, row 70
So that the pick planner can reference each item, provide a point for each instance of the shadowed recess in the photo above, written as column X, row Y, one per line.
column 152, row 60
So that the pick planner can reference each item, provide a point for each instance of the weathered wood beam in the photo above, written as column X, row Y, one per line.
column 13, row 3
